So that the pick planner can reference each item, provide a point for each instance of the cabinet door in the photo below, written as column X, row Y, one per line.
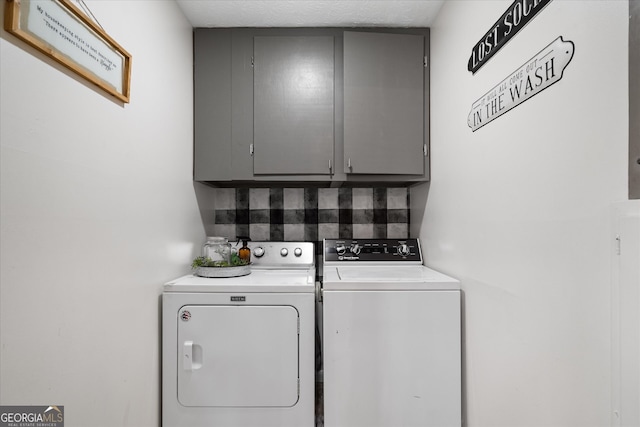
column 212, row 105
column 384, row 109
column 293, row 105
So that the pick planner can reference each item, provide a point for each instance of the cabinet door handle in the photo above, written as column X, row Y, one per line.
column 349, row 163
column 330, row 166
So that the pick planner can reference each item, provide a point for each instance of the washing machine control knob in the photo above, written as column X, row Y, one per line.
column 258, row 252
column 403, row 250
column 297, row 252
column 355, row 249
column 341, row 249
column 284, row 252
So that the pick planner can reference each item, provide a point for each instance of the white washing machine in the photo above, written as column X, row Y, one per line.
column 391, row 337
column 239, row 352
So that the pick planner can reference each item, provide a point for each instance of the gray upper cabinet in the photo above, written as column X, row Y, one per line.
column 212, row 105
column 384, row 104
column 311, row 105
column 293, row 98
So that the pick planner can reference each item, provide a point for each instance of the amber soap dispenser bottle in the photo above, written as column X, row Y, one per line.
column 244, row 252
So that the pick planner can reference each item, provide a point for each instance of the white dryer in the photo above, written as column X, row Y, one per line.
column 239, row 352
column 391, row 337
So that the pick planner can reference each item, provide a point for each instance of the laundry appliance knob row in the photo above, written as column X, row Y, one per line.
column 258, row 252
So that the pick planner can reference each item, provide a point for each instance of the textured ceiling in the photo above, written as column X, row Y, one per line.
column 310, row 13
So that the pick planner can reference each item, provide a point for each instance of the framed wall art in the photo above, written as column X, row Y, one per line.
column 64, row 33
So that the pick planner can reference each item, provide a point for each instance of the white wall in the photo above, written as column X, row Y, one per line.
column 519, row 211
column 98, row 211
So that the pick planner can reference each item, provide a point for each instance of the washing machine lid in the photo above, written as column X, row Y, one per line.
column 258, row 281
column 391, row 277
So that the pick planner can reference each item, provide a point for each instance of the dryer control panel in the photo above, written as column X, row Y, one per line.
column 281, row 255
column 378, row 250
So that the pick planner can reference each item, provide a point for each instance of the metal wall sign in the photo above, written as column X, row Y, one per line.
column 513, row 20
column 535, row 75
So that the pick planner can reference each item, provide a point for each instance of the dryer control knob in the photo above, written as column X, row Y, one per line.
column 284, row 252
column 356, row 249
column 403, row 250
column 341, row 249
column 297, row 252
column 258, row 252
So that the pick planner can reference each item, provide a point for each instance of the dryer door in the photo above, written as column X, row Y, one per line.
column 237, row 356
